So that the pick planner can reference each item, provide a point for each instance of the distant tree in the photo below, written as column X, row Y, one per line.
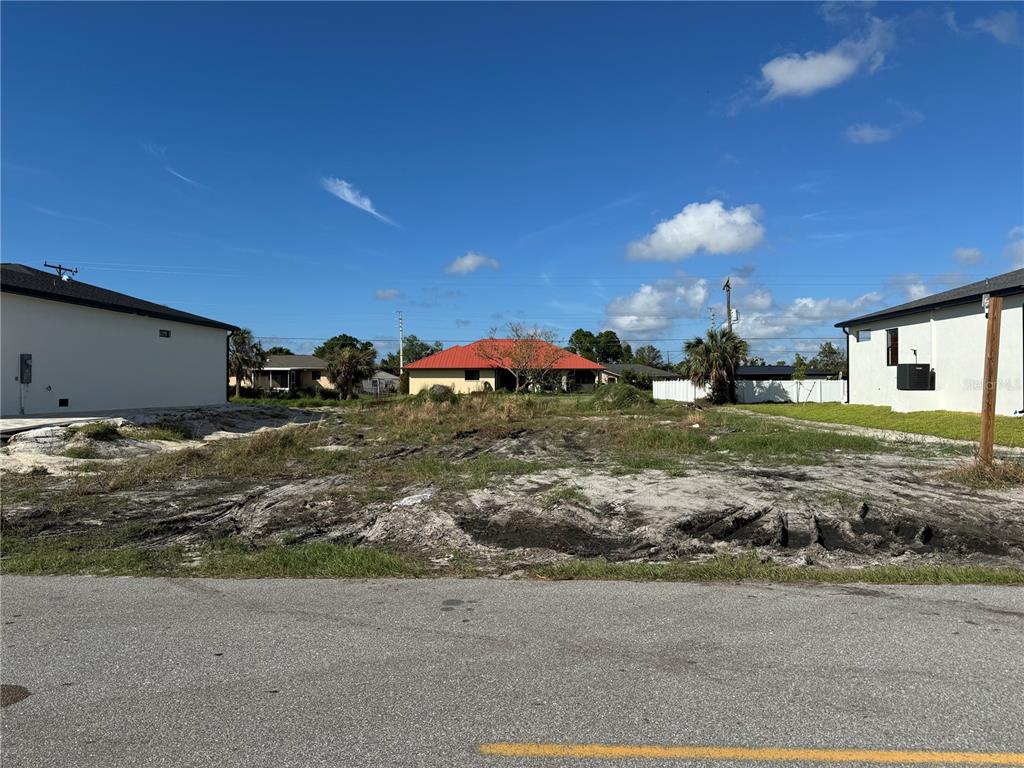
column 584, row 344
column 279, row 351
column 648, row 355
column 343, row 341
column 711, row 362
column 638, row 380
column 347, row 366
column 832, row 359
column 781, row 362
column 799, row 367
column 627, row 354
column 414, row 350
column 245, row 358
column 609, row 348
column 529, row 354
column 755, row 360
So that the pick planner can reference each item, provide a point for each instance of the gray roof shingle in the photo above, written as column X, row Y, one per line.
column 1000, row 285
column 27, row 281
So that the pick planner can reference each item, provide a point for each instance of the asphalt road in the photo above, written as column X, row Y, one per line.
column 151, row 672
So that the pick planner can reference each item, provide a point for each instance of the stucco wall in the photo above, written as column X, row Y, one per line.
column 952, row 341
column 102, row 360
column 421, row 378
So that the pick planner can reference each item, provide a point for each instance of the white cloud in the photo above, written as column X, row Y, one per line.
column 702, row 226
column 802, row 74
column 470, row 262
column 760, row 300
column 385, row 294
column 1004, row 26
column 868, row 133
column 968, row 255
column 1014, row 250
column 342, row 190
column 655, row 307
column 916, row 291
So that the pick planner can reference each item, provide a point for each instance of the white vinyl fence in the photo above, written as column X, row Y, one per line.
column 806, row 391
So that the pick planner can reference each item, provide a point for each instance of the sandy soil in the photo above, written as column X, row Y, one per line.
column 850, row 510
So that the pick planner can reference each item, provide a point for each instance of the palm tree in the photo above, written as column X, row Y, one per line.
column 711, row 362
column 347, row 366
column 245, row 357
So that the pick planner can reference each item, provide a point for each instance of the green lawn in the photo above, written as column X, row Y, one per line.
column 952, row 424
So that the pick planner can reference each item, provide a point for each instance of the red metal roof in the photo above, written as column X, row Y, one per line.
column 491, row 353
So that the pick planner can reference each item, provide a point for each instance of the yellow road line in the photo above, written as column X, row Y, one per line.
column 623, row 751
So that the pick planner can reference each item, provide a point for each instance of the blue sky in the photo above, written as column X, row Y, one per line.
column 306, row 170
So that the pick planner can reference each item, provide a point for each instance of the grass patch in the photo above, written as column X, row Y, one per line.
column 97, row 430
column 950, row 424
column 324, row 560
column 75, row 555
column 88, row 554
column 570, row 494
column 299, row 402
column 80, row 452
column 174, row 432
column 998, row 474
column 642, row 445
column 751, row 568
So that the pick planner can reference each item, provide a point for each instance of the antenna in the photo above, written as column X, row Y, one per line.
column 61, row 270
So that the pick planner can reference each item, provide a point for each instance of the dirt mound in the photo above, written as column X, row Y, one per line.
column 620, row 397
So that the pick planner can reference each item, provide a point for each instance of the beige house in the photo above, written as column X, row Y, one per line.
column 285, row 373
column 484, row 366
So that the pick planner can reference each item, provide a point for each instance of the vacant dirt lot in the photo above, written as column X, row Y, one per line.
column 502, row 483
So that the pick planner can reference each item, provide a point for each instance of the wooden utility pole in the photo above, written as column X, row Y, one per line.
column 401, row 342
column 728, row 302
column 991, row 376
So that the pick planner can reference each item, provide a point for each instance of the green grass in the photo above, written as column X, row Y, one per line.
column 175, row 432
column 77, row 555
column 315, row 560
column 751, row 568
column 71, row 555
column 949, row 424
column 97, row 430
column 569, row 493
column 725, row 433
column 80, row 452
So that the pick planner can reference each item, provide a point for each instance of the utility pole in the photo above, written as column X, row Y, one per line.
column 994, row 305
column 728, row 303
column 61, row 270
column 401, row 342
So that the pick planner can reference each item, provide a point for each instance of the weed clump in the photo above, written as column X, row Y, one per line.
column 97, row 430
column 439, row 393
column 978, row 475
column 620, row 397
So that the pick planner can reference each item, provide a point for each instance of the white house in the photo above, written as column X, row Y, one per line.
column 929, row 354
column 66, row 346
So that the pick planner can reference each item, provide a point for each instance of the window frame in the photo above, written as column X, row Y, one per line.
column 864, row 335
column 892, row 347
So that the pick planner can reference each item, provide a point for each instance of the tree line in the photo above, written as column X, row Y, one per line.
column 710, row 361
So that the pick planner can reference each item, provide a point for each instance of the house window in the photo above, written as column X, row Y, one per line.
column 62, row 402
column 315, row 374
column 164, row 333
column 863, row 335
column 892, row 346
column 472, row 375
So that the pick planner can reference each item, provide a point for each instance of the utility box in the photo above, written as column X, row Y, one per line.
column 914, row 376
column 26, row 369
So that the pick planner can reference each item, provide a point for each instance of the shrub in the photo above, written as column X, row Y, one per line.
column 621, row 396
column 439, row 393
column 97, row 430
